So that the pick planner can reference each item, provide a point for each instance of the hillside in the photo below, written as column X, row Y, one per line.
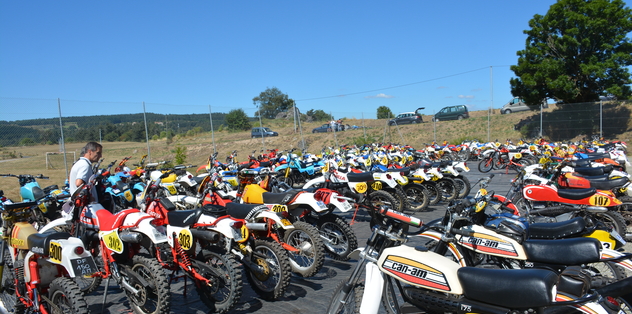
column 200, row 146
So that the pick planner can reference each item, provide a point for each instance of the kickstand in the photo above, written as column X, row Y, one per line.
column 357, row 207
column 174, row 278
column 105, row 294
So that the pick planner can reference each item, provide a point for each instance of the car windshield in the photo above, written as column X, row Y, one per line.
column 267, row 129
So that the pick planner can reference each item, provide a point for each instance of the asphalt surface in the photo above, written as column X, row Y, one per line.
column 304, row 295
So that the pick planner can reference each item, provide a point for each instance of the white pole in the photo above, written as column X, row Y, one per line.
column 491, row 103
column 363, row 128
column 540, row 120
column 600, row 119
column 210, row 116
column 146, row 134
column 63, row 143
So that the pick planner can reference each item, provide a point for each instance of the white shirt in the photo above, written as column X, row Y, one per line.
column 82, row 169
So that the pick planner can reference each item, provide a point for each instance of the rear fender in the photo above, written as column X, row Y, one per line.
column 307, row 199
column 612, row 254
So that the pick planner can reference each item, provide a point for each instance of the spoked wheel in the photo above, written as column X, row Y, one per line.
column 463, row 186
column 337, row 236
column 272, row 277
column 224, row 291
column 309, row 256
column 612, row 220
column 486, row 165
column 381, row 199
column 154, row 298
column 400, row 196
column 66, row 298
column 8, row 296
column 349, row 303
column 418, row 196
column 448, row 189
column 434, row 193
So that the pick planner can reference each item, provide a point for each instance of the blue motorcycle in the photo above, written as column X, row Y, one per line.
column 295, row 171
column 49, row 199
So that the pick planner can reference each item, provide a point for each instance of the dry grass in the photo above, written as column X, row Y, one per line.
column 199, row 147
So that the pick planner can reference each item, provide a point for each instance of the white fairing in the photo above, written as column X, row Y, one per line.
column 313, row 182
column 48, row 269
column 155, row 233
column 422, row 269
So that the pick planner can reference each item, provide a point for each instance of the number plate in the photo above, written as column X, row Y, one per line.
column 347, row 206
column 321, row 205
column 113, row 242
column 286, row 222
column 84, row 266
column 54, row 252
column 128, row 195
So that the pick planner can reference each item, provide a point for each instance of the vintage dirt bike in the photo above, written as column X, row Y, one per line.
column 474, row 234
column 214, row 270
column 118, row 239
column 314, row 206
column 408, row 279
column 37, row 269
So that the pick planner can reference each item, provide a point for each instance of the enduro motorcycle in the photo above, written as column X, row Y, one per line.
column 49, row 198
column 314, row 207
column 426, row 281
column 217, row 237
column 539, row 200
column 118, row 239
column 38, row 271
column 297, row 172
column 474, row 234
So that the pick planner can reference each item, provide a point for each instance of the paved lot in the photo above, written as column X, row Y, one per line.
column 304, row 295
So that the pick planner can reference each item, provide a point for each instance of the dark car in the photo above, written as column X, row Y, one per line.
column 262, row 132
column 327, row 128
column 452, row 113
column 406, row 118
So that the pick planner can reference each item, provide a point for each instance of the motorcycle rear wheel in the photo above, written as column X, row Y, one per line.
column 486, row 165
column 311, row 253
column 463, row 186
column 418, row 196
column 271, row 283
column 8, row 296
column 66, row 297
column 223, row 296
column 352, row 301
column 448, row 189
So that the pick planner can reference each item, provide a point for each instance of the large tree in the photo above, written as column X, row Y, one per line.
column 237, row 120
column 319, row 115
column 384, row 112
column 575, row 53
column 272, row 101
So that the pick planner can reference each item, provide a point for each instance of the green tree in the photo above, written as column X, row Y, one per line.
column 237, row 120
column 272, row 101
column 180, row 154
column 384, row 112
column 578, row 51
column 319, row 115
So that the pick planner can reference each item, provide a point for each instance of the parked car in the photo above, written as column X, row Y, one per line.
column 452, row 113
column 517, row 104
column 327, row 128
column 262, row 132
column 406, row 118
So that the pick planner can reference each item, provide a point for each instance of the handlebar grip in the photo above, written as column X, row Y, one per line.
column 460, row 232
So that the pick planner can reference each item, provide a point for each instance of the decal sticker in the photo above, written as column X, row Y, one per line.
column 113, row 242
column 54, row 252
column 279, row 208
column 488, row 244
column 361, row 187
column 415, row 272
column 186, row 239
column 377, row 185
column 599, row 200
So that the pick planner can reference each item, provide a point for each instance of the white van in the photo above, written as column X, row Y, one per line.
column 517, row 104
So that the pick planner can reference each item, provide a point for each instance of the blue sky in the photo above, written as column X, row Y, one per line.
column 345, row 57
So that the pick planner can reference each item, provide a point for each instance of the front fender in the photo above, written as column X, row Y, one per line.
column 313, row 182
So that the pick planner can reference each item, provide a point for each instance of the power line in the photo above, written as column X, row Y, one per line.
column 398, row 86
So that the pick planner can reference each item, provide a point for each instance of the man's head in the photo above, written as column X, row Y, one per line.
column 92, row 151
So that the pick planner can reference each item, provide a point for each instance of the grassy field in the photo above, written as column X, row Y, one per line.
column 200, row 146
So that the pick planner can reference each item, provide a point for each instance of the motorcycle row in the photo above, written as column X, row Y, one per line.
column 278, row 214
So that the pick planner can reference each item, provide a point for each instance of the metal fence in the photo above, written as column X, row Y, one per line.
column 65, row 121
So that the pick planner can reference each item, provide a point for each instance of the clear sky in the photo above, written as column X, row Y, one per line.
column 345, row 57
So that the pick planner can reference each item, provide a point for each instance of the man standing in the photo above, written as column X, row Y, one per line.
column 82, row 169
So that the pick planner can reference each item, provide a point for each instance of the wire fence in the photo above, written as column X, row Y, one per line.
column 55, row 122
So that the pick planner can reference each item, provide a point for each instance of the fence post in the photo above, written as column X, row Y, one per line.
column 63, row 143
column 146, row 134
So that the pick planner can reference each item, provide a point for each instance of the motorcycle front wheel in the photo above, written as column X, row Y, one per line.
column 8, row 296
column 224, row 292
column 486, row 165
column 275, row 271
column 154, row 298
column 337, row 236
column 351, row 302
column 66, row 297
column 309, row 256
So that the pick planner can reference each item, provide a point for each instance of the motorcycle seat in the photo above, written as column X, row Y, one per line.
column 198, row 180
column 39, row 242
column 19, row 205
column 595, row 156
column 511, row 288
column 360, row 177
column 279, row 198
column 108, row 221
column 557, row 230
column 405, row 170
column 580, row 163
column 576, row 194
column 572, row 251
column 241, row 211
column 609, row 184
column 589, row 171
column 515, row 150
column 184, row 218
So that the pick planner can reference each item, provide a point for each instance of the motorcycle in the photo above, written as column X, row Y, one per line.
column 426, row 281
column 118, row 239
column 49, row 198
column 37, row 274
